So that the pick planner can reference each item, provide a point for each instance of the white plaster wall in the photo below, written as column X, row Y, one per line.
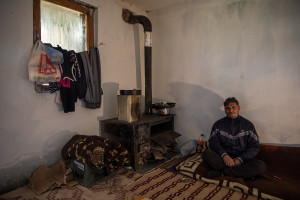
column 33, row 127
column 203, row 52
column 207, row 50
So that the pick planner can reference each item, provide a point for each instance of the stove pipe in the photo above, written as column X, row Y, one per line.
column 132, row 19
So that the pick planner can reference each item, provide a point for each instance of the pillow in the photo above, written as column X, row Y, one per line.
column 194, row 167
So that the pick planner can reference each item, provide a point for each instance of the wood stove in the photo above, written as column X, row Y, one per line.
column 150, row 141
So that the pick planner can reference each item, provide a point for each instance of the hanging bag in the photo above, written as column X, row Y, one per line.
column 40, row 68
column 56, row 57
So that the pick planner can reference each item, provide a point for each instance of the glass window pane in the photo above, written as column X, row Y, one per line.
column 62, row 26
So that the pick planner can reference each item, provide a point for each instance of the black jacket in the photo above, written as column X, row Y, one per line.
column 235, row 137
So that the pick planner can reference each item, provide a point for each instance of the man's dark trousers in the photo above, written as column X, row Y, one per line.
column 247, row 169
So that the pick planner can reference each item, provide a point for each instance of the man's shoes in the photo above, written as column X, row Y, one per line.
column 214, row 173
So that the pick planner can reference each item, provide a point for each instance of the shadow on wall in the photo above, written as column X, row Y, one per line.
column 110, row 102
column 110, row 105
column 196, row 109
column 54, row 144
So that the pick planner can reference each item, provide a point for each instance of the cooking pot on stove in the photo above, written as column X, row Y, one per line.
column 163, row 108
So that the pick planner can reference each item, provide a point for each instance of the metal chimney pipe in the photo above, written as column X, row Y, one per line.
column 128, row 17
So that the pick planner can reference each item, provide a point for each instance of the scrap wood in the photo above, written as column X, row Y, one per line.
column 72, row 183
column 157, row 155
column 45, row 178
column 165, row 138
column 69, row 177
column 160, row 149
column 141, row 161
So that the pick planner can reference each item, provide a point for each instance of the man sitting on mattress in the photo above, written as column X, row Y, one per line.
column 233, row 146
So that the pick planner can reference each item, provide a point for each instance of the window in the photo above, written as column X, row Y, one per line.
column 64, row 23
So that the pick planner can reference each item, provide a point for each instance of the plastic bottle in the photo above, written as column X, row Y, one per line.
column 200, row 143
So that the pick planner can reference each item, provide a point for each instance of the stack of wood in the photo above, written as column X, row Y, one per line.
column 163, row 143
column 159, row 146
column 70, row 181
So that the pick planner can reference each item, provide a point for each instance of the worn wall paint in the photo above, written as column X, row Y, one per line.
column 33, row 127
column 205, row 51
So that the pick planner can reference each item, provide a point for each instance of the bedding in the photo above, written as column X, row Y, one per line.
column 194, row 167
column 95, row 151
column 280, row 181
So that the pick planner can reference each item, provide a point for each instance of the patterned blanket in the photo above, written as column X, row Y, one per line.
column 95, row 151
column 162, row 184
column 193, row 167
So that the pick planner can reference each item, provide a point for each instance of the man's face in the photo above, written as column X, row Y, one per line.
column 232, row 110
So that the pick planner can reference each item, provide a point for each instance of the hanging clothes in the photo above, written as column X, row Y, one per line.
column 92, row 70
column 96, row 66
column 82, row 81
column 71, row 73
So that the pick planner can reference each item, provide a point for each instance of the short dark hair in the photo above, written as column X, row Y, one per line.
column 231, row 100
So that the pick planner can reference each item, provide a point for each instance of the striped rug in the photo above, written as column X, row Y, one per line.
column 161, row 184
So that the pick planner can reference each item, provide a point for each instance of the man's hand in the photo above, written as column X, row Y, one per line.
column 228, row 161
column 237, row 162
